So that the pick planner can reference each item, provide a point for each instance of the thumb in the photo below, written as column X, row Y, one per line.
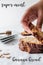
column 40, row 19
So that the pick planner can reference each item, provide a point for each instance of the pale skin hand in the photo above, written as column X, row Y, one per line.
column 34, row 12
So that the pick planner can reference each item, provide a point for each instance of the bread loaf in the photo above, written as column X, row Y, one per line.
column 31, row 45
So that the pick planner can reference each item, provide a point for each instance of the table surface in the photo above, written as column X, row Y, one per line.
column 13, row 49
column 15, row 52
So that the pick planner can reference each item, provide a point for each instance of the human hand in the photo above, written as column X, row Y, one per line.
column 34, row 12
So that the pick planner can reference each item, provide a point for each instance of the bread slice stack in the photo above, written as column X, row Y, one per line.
column 31, row 45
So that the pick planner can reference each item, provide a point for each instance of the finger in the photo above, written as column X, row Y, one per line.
column 40, row 19
column 26, row 28
column 30, row 16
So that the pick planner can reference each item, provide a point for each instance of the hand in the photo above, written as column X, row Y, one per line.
column 34, row 12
